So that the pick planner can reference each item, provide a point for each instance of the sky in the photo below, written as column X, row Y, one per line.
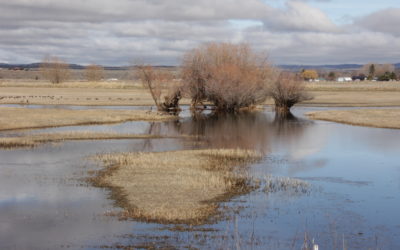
column 159, row 32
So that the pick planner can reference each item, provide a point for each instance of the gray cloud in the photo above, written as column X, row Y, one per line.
column 386, row 21
column 159, row 32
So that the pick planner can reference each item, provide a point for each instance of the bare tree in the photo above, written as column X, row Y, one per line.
column 229, row 76
column 286, row 91
column 54, row 69
column 161, row 86
column 94, row 73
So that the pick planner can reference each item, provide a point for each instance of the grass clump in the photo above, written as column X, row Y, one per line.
column 173, row 187
column 275, row 184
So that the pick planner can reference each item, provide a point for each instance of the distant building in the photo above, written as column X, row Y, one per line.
column 344, row 79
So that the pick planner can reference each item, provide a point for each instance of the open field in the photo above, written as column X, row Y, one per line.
column 72, row 84
column 353, row 99
column 129, row 93
column 86, row 95
column 177, row 186
column 353, row 86
column 36, row 139
column 22, row 118
column 381, row 118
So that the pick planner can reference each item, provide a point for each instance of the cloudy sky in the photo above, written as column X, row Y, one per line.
column 118, row 32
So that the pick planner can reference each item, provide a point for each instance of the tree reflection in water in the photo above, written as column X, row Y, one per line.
column 246, row 130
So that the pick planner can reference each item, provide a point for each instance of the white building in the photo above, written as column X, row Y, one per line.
column 344, row 79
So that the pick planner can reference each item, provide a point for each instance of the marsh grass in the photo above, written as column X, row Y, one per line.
column 289, row 185
column 174, row 187
column 22, row 118
column 37, row 139
column 380, row 118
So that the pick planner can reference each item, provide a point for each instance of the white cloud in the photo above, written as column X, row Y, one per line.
column 299, row 16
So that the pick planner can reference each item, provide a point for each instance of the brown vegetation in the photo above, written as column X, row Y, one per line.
column 381, row 118
column 229, row 76
column 157, row 82
column 36, row 139
column 94, row 73
column 21, row 118
column 54, row 69
column 286, row 91
column 173, row 187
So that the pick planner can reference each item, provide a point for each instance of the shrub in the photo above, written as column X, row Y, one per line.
column 229, row 76
column 286, row 91
column 94, row 73
column 54, row 69
column 157, row 82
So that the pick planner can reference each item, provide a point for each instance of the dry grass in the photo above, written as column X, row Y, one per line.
column 128, row 93
column 354, row 99
column 82, row 95
column 36, row 139
column 354, row 94
column 22, row 118
column 173, row 187
column 73, row 84
column 381, row 118
column 353, row 86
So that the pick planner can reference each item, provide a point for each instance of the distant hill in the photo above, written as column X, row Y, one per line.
column 322, row 67
column 37, row 65
column 284, row 66
column 72, row 66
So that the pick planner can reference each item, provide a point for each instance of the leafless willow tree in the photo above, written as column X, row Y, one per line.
column 94, row 73
column 230, row 76
column 286, row 91
column 54, row 69
column 161, row 85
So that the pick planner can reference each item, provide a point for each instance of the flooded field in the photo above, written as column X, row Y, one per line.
column 345, row 193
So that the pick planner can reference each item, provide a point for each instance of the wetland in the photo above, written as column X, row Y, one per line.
column 309, row 180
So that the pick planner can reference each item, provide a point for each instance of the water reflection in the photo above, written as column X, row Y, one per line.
column 250, row 130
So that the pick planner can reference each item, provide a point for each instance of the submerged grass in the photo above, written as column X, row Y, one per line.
column 174, row 187
column 23, row 118
column 275, row 184
column 380, row 118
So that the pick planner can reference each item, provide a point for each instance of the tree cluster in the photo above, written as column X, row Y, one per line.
column 384, row 72
column 229, row 76
column 309, row 74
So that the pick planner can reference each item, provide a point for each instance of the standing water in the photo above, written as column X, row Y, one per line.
column 352, row 175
